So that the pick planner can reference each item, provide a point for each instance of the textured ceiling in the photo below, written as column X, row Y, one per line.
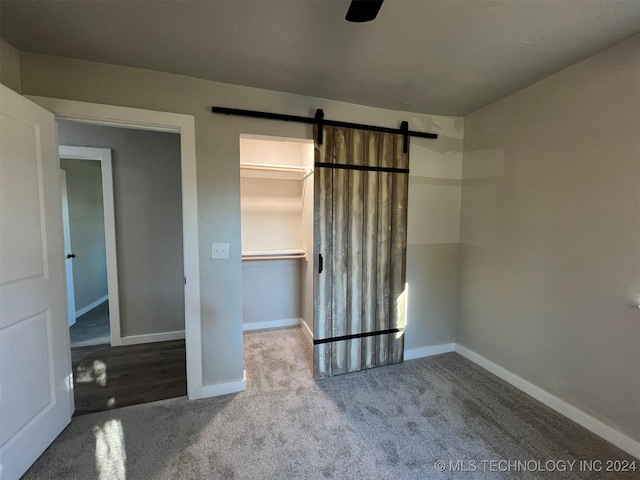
column 443, row 57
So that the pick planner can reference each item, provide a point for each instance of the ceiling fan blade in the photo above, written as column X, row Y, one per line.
column 363, row 10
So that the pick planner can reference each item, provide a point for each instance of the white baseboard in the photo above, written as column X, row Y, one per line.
column 307, row 331
column 411, row 353
column 152, row 337
column 287, row 322
column 610, row 434
column 224, row 388
column 91, row 306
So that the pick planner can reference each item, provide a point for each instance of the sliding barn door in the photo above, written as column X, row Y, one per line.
column 360, row 230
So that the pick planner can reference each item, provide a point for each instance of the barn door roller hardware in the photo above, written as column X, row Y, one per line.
column 320, row 121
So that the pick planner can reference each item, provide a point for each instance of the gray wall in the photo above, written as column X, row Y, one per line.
column 433, row 233
column 148, row 212
column 217, row 152
column 9, row 66
column 550, row 264
column 272, row 290
column 86, row 224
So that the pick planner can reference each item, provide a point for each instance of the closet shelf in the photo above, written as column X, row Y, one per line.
column 296, row 254
column 280, row 172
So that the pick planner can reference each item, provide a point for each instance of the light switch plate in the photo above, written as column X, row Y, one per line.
column 219, row 250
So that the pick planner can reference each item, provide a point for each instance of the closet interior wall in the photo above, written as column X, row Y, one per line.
column 277, row 232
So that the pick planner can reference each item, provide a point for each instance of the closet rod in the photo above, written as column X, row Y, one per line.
column 273, row 168
column 274, row 257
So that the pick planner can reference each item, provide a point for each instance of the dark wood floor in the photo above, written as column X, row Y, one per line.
column 108, row 377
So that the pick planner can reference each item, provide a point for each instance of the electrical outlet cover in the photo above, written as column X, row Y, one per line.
column 219, row 250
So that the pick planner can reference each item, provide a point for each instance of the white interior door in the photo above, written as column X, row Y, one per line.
column 68, row 253
column 36, row 387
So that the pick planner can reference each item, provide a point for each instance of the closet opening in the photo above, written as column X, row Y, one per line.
column 277, row 205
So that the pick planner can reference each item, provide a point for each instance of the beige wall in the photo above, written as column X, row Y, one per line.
column 86, row 225
column 271, row 206
column 308, row 267
column 550, row 252
column 432, row 242
column 277, row 151
column 9, row 66
column 148, row 214
column 271, row 214
column 217, row 151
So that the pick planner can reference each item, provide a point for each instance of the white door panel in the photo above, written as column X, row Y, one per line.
column 36, row 396
column 21, row 245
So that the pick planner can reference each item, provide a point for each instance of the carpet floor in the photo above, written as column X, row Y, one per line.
column 92, row 328
column 394, row 422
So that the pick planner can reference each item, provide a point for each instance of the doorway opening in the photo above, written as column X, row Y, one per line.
column 87, row 200
column 276, row 185
column 125, row 264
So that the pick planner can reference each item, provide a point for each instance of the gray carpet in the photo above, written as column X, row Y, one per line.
column 388, row 423
column 92, row 328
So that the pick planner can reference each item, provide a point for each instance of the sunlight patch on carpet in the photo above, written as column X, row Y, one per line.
column 110, row 451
